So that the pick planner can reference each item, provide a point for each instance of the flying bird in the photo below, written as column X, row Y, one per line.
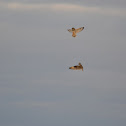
column 78, row 67
column 75, row 31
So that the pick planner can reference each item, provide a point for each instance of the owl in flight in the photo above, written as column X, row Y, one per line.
column 77, row 67
column 74, row 31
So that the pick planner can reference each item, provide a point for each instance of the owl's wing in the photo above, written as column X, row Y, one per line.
column 79, row 29
column 70, row 30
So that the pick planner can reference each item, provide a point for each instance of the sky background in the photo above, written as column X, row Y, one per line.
column 36, row 50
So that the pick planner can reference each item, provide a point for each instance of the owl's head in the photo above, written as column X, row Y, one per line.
column 79, row 64
column 73, row 29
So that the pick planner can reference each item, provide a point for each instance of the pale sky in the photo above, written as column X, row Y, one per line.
column 36, row 50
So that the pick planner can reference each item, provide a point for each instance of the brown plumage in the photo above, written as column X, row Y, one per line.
column 75, row 31
column 77, row 67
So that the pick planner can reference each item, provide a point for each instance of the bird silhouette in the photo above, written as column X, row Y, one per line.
column 75, row 31
column 77, row 67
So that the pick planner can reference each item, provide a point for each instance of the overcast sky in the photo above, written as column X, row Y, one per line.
column 36, row 50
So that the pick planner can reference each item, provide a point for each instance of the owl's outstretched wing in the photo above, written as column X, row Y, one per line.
column 79, row 29
column 70, row 30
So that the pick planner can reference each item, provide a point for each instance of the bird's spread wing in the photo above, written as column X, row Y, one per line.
column 70, row 30
column 79, row 29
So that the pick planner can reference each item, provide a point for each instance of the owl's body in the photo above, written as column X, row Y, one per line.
column 74, row 34
column 78, row 67
column 75, row 31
